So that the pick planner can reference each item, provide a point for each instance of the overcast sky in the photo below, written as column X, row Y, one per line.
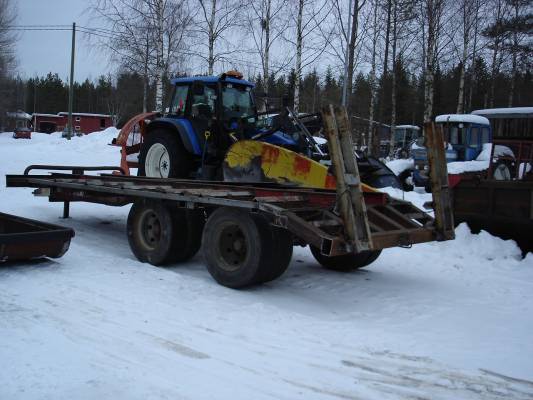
column 40, row 52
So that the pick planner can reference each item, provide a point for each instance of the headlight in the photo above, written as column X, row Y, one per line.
column 426, row 167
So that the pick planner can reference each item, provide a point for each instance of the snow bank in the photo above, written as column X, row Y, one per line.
column 400, row 165
column 483, row 247
column 42, row 148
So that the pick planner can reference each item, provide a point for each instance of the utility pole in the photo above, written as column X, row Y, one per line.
column 345, row 83
column 71, row 86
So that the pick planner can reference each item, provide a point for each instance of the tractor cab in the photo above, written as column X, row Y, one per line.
column 404, row 137
column 464, row 136
column 219, row 111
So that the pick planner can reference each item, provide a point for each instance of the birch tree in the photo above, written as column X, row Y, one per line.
column 311, row 38
column 402, row 15
column 214, row 23
column 468, row 18
column 144, row 36
column 266, row 25
column 8, row 16
column 376, row 28
column 432, row 18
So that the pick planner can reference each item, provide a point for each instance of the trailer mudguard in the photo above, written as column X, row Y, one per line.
column 182, row 127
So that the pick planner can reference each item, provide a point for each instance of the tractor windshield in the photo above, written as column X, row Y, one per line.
column 456, row 134
column 237, row 102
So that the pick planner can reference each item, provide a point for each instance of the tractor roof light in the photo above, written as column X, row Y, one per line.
column 234, row 74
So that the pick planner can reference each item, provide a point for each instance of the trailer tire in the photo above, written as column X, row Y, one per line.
column 163, row 155
column 345, row 262
column 238, row 247
column 188, row 226
column 283, row 242
column 151, row 232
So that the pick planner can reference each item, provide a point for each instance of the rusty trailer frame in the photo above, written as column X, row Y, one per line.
column 308, row 213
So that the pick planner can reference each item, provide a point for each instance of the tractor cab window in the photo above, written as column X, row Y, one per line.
column 456, row 134
column 180, row 100
column 485, row 135
column 399, row 135
column 203, row 103
column 237, row 102
column 474, row 137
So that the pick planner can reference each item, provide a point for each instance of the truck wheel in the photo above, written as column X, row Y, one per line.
column 238, row 247
column 159, row 233
column 345, row 262
column 162, row 155
column 188, row 226
column 283, row 242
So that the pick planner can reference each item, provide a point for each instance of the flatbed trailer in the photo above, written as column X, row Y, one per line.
column 247, row 231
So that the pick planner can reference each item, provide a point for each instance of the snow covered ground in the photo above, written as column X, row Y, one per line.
column 450, row 320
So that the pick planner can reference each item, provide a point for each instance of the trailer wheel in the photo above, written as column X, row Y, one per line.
column 345, row 262
column 163, row 155
column 283, row 242
column 160, row 234
column 188, row 226
column 151, row 232
column 238, row 247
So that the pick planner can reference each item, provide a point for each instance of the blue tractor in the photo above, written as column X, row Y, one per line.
column 464, row 136
column 208, row 114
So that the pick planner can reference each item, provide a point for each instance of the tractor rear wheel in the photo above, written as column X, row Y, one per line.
column 238, row 247
column 163, row 155
column 345, row 262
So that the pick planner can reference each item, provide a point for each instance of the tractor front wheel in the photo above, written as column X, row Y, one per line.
column 164, row 156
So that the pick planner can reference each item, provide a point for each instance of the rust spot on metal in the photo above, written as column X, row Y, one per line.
column 301, row 166
column 270, row 154
column 331, row 182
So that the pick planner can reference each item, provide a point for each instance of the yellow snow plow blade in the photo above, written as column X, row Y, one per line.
column 254, row 161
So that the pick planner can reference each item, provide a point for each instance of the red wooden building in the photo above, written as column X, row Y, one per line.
column 83, row 123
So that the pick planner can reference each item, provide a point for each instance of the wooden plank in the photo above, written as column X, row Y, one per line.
column 349, row 192
column 354, row 184
column 439, row 181
column 347, row 215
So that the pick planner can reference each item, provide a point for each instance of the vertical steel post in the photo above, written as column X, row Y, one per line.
column 71, row 86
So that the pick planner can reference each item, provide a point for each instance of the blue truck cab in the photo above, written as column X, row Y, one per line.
column 464, row 136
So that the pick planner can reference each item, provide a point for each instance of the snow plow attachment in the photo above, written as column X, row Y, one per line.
column 259, row 162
